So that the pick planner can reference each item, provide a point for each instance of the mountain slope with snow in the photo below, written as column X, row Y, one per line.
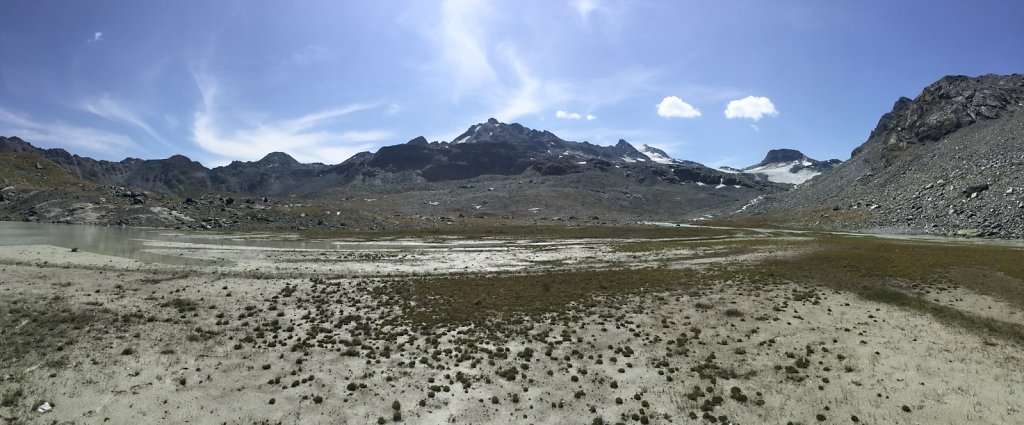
column 790, row 166
column 656, row 155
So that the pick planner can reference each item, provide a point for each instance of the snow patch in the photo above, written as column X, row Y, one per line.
column 655, row 156
column 751, row 203
column 780, row 172
column 476, row 128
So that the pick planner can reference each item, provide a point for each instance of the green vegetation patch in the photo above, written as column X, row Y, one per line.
column 479, row 299
column 38, row 329
column 724, row 245
column 22, row 168
column 906, row 274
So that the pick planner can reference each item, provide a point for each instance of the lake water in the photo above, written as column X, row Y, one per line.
column 131, row 243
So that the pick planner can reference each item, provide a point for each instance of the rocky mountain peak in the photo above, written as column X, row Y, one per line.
column 628, row 152
column 275, row 159
column 178, row 159
column 496, row 131
column 776, row 156
column 422, row 141
column 13, row 144
column 945, row 106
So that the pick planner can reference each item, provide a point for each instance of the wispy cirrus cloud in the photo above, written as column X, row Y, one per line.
column 488, row 68
column 118, row 111
column 308, row 138
column 462, row 43
column 585, row 7
column 96, row 37
column 90, row 140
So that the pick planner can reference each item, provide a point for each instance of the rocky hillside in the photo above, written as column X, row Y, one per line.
column 947, row 162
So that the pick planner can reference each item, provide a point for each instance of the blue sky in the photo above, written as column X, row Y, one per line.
column 719, row 82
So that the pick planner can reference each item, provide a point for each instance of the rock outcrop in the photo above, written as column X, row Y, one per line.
column 948, row 162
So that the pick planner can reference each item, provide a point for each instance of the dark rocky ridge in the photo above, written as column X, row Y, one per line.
column 495, row 173
column 782, row 155
column 925, row 167
column 942, row 108
column 490, row 148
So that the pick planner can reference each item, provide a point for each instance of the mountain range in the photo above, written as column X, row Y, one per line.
column 490, row 148
column 946, row 162
column 493, row 170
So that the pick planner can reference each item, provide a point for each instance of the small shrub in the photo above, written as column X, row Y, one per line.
column 10, row 397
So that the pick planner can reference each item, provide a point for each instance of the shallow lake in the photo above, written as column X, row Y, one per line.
column 132, row 243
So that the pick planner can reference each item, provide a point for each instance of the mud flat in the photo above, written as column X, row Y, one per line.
column 755, row 327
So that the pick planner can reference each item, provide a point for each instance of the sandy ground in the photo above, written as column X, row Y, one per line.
column 306, row 336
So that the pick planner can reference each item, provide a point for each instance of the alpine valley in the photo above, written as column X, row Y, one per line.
column 948, row 162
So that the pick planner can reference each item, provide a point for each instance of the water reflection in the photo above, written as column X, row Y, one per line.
column 132, row 242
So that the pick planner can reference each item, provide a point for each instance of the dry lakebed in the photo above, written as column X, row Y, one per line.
column 568, row 326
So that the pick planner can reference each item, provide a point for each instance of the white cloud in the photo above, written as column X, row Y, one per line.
column 531, row 96
column 63, row 135
column 574, row 116
column 480, row 62
column 755, row 127
column 462, row 41
column 674, row 107
column 117, row 111
column 305, row 137
column 585, row 7
column 96, row 37
column 750, row 107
